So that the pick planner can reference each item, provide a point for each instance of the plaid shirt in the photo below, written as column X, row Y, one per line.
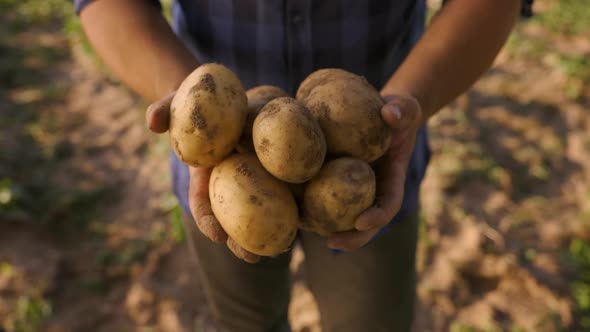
column 281, row 42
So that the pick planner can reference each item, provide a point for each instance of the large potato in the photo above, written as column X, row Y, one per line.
column 207, row 115
column 257, row 98
column 348, row 109
column 288, row 140
column 321, row 77
column 332, row 200
column 256, row 210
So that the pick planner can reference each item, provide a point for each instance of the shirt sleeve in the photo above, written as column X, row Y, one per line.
column 79, row 5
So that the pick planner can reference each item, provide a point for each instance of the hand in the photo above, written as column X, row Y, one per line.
column 157, row 119
column 403, row 115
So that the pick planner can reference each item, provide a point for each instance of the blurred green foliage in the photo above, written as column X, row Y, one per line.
column 177, row 233
column 35, row 197
column 579, row 252
column 562, row 18
column 167, row 9
column 36, row 11
column 570, row 17
column 459, row 326
column 29, row 314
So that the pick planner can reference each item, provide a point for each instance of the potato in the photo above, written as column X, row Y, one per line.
column 207, row 115
column 348, row 109
column 288, row 140
column 343, row 189
column 320, row 77
column 255, row 209
column 257, row 98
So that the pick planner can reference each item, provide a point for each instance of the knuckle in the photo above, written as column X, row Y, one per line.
column 241, row 253
column 352, row 244
column 201, row 206
column 202, row 209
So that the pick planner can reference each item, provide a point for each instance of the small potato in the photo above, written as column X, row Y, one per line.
column 332, row 200
column 257, row 98
column 348, row 109
column 288, row 140
column 207, row 115
column 256, row 210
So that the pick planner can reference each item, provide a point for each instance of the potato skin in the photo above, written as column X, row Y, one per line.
column 321, row 77
column 207, row 115
column 332, row 200
column 348, row 109
column 288, row 140
column 256, row 210
column 257, row 97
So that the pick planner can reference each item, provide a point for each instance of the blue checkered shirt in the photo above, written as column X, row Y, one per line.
column 281, row 42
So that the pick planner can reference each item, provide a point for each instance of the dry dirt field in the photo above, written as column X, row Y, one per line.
column 90, row 236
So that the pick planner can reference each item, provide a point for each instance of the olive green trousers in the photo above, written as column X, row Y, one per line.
column 369, row 289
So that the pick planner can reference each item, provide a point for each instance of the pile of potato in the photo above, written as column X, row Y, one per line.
column 281, row 163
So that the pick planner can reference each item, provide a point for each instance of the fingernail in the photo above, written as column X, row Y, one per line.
column 395, row 110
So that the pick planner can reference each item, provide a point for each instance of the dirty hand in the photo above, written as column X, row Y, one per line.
column 157, row 119
column 403, row 115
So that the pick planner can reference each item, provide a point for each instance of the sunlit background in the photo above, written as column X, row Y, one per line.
column 90, row 235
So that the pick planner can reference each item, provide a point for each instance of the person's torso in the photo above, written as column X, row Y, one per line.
column 280, row 42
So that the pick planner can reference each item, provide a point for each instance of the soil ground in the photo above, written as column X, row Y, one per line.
column 90, row 236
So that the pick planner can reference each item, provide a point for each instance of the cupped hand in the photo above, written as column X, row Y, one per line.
column 403, row 115
column 157, row 120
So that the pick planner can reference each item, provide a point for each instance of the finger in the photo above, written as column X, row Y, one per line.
column 200, row 205
column 389, row 199
column 401, row 113
column 374, row 217
column 351, row 240
column 157, row 116
column 242, row 253
column 211, row 228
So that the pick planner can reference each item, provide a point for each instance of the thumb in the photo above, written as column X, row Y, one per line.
column 401, row 112
column 157, row 116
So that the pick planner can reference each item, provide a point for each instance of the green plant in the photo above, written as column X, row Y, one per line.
column 169, row 204
column 95, row 285
column 519, row 44
column 568, row 17
column 133, row 251
column 30, row 312
column 579, row 251
column 73, row 30
column 177, row 231
column 167, row 9
column 516, row 328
